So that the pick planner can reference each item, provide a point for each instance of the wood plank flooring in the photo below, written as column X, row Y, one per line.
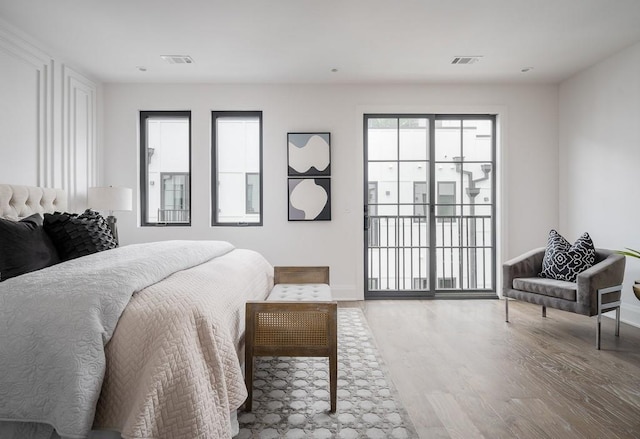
column 463, row 372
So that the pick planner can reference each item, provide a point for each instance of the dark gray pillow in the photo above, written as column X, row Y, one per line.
column 79, row 235
column 563, row 261
column 24, row 247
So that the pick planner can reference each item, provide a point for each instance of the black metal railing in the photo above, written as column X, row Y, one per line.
column 173, row 216
column 399, row 252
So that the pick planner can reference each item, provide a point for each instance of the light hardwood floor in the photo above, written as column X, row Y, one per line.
column 463, row 372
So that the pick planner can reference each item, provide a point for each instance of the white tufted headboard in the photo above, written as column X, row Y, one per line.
column 18, row 202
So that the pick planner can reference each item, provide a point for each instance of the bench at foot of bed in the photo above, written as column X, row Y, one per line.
column 298, row 319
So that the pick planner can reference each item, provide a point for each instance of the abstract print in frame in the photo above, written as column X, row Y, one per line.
column 309, row 154
column 309, row 199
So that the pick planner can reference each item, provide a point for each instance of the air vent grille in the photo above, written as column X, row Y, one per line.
column 465, row 59
column 177, row 59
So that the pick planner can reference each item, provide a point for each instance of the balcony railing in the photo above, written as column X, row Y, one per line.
column 173, row 216
column 399, row 250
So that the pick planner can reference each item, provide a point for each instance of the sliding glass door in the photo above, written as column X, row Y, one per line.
column 429, row 211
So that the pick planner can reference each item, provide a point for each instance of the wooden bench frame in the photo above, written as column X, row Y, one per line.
column 295, row 329
column 301, row 275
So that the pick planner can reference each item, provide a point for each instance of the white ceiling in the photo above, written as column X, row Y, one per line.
column 300, row 41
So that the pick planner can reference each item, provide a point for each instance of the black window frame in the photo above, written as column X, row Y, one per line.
column 214, row 169
column 144, row 166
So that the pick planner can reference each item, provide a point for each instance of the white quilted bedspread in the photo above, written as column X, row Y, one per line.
column 172, row 364
column 172, row 368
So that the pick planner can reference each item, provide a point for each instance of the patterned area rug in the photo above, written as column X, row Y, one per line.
column 291, row 394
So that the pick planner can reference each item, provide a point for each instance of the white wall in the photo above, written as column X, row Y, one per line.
column 600, row 160
column 527, row 168
column 48, row 119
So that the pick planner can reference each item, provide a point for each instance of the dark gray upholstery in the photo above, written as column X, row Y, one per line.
column 521, row 281
column 559, row 289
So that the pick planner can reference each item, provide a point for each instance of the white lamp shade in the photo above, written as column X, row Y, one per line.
column 110, row 198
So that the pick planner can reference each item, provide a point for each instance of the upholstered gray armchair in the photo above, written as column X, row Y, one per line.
column 595, row 291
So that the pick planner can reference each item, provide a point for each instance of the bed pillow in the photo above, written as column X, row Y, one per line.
column 79, row 235
column 563, row 261
column 24, row 247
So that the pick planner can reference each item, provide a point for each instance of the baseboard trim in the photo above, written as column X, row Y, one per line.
column 630, row 314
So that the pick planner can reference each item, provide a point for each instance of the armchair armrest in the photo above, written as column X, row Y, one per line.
column 607, row 273
column 526, row 265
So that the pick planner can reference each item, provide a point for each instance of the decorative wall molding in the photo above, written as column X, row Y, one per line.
column 79, row 136
column 42, row 63
column 65, row 118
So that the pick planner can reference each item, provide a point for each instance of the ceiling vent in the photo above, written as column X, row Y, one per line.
column 466, row 59
column 177, row 59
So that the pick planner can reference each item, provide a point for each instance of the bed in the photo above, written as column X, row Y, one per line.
column 145, row 340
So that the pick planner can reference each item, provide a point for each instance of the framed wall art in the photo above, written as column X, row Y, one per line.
column 310, row 199
column 309, row 154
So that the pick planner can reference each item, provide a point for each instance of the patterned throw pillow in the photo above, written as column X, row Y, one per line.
column 563, row 261
column 79, row 235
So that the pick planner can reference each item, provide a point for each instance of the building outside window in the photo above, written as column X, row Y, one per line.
column 374, row 221
column 420, row 283
column 174, row 197
column 446, row 208
column 253, row 192
column 446, row 282
column 420, row 197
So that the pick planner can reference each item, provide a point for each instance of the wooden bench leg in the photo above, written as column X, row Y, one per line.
column 333, row 381
column 248, row 380
column 249, row 336
column 333, row 357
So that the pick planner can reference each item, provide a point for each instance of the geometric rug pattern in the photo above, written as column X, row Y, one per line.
column 291, row 394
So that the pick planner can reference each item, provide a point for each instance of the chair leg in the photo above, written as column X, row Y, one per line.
column 544, row 311
column 608, row 307
column 506, row 309
column 598, row 325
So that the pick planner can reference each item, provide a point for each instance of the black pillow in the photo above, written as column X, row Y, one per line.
column 563, row 261
column 79, row 235
column 24, row 247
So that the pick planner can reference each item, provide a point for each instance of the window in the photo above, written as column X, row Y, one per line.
column 236, row 168
column 165, row 168
column 420, row 283
column 446, row 201
column 174, row 198
column 373, row 283
column 253, row 192
column 373, row 198
column 435, row 176
column 420, row 201
column 374, row 221
column 446, row 282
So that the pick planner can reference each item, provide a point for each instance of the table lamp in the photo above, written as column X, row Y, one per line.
column 111, row 199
